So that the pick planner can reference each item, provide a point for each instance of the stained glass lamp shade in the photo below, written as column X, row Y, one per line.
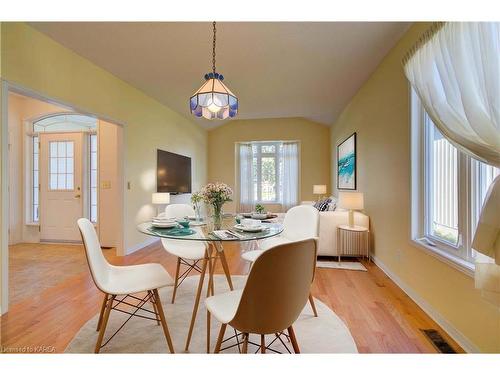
column 214, row 100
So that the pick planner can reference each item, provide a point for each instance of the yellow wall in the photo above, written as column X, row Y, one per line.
column 3, row 239
column 379, row 113
column 34, row 61
column 314, row 149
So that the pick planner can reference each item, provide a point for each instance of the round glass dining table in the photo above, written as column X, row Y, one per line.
column 205, row 232
column 213, row 253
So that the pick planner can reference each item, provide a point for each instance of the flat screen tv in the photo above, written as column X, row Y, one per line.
column 173, row 173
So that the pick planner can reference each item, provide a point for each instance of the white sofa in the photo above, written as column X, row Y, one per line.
column 328, row 222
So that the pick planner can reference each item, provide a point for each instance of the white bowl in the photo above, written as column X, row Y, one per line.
column 259, row 216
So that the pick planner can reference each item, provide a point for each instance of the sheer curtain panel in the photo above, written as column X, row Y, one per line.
column 290, row 175
column 455, row 70
column 246, row 178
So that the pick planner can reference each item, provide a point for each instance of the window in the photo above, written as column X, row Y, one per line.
column 441, row 178
column 35, row 187
column 268, row 174
column 266, row 177
column 448, row 190
column 93, row 177
column 61, row 165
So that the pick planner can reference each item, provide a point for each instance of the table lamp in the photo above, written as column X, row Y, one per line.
column 159, row 199
column 351, row 201
column 319, row 190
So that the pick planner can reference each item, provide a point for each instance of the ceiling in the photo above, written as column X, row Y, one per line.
column 277, row 69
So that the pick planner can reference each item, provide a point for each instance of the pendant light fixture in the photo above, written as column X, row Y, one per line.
column 214, row 100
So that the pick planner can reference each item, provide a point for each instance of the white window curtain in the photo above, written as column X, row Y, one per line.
column 290, row 175
column 246, row 184
column 455, row 70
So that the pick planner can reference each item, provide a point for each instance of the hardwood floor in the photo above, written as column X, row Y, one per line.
column 380, row 316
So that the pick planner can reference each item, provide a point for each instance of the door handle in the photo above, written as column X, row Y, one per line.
column 77, row 196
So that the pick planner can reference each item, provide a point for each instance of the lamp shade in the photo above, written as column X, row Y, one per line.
column 351, row 200
column 160, row 198
column 214, row 100
column 319, row 189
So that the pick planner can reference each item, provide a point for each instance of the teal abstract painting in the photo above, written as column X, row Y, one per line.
column 346, row 164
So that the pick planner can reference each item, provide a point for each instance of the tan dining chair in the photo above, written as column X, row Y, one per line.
column 276, row 291
column 300, row 223
column 123, row 286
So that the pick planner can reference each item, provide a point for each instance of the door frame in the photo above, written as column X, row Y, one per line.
column 6, row 88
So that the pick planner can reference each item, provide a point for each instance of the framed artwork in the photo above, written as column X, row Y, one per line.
column 346, row 164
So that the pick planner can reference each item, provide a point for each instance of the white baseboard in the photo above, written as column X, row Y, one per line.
column 449, row 328
column 141, row 245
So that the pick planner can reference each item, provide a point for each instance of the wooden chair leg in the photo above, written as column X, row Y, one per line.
column 220, row 338
column 104, row 323
column 244, row 349
column 262, row 344
column 293, row 339
column 210, row 292
column 163, row 320
column 154, row 307
column 196, row 303
column 103, row 307
column 313, row 305
column 176, row 278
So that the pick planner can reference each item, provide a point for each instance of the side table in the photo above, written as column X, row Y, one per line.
column 353, row 241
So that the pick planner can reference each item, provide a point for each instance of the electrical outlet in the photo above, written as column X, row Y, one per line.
column 398, row 255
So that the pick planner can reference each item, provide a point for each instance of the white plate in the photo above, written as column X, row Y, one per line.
column 250, row 229
column 164, row 225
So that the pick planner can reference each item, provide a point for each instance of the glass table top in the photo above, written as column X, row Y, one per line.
column 205, row 232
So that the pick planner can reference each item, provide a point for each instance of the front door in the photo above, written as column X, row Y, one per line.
column 61, row 201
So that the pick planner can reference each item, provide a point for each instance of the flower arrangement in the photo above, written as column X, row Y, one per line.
column 216, row 194
column 196, row 199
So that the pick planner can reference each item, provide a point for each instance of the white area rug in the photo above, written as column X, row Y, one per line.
column 354, row 266
column 325, row 334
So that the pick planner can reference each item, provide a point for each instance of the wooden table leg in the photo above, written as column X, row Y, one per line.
column 197, row 300
column 225, row 266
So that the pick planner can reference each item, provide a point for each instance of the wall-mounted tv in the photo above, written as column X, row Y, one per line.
column 173, row 173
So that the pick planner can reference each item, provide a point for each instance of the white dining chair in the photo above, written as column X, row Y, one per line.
column 273, row 297
column 188, row 253
column 300, row 222
column 122, row 284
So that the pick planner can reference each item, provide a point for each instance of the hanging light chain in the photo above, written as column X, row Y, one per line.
column 213, row 48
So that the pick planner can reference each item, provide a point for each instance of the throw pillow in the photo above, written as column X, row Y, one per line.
column 332, row 206
column 322, row 205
